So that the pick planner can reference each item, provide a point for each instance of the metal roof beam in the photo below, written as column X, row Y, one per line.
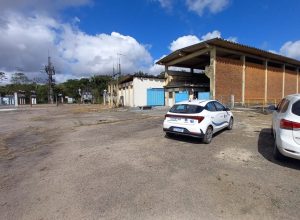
column 255, row 57
column 187, row 57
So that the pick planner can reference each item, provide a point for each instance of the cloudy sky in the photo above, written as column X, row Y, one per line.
column 87, row 37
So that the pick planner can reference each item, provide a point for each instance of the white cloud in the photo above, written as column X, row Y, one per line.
column 291, row 49
column 97, row 54
column 184, row 41
column 165, row 3
column 211, row 35
column 25, row 41
column 188, row 40
column 232, row 39
column 213, row 6
column 156, row 69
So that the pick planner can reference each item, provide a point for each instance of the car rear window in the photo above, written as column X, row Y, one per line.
column 296, row 108
column 186, row 109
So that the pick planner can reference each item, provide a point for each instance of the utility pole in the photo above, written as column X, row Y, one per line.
column 49, row 69
column 119, row 65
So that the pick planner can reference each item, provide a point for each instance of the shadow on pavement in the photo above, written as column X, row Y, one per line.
column 265, row 148
column 191, row 140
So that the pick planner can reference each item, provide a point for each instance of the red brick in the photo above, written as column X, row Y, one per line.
column 275, row 77
column 254, row 81
column 290, row 82
column 228, row 79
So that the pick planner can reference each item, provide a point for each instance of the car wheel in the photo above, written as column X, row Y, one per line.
column 276, row 153
column 208, row 135
column 168, row 134
column 272, row 132
column 230, row 124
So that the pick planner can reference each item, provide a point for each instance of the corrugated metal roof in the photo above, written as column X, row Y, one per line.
column 221, row 43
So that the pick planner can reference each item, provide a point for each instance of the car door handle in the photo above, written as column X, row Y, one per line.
column 212, row 117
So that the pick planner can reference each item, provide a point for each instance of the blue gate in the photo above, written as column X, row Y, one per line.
column 155, row 97
column 181, row 96
column 203, row 95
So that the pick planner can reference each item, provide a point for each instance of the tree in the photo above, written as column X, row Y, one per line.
column 2, row 76
column 19, row 78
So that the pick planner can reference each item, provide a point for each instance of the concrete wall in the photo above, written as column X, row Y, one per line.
column 229, row 79
column 140, row 86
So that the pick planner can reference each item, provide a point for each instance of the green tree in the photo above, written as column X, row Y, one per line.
column 2, row 76
column 19, row 78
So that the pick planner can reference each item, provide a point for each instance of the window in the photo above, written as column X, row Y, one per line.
column 210, row 107
column 219, row 106
column 279, row 106
column 186, row 109
column 296, row 108
column 283, row 106
column 170, row 95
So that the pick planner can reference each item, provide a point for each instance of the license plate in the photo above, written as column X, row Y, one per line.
column 178, row 130
column 174, row 119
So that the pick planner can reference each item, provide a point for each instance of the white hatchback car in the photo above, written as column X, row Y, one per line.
column 286, row 128
column 197, row 118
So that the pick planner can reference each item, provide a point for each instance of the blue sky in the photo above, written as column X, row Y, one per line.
column 85, row 36
column 267, row 24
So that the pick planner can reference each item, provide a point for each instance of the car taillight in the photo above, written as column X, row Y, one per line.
column 198, row 118
column 289, row 125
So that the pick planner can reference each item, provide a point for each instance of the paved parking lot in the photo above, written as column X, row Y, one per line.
column 83, row 162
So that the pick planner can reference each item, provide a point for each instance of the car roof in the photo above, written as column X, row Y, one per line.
column 195, row 102
column 294, row 95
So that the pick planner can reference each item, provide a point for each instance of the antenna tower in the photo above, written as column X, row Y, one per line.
column 49, row 69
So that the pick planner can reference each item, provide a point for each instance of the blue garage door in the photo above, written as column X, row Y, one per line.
column 181, row 96
column 203, row 95
column 155, row 97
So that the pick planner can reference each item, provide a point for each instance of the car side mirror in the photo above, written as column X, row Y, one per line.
column 227, row 109
column 272, row 108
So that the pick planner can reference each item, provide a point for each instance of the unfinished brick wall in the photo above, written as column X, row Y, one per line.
column 275, row 78
column 228, row 79
column 254, row 81
column 290, row 82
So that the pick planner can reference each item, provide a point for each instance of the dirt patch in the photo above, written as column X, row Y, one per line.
column 5, row 153
column 235, row 155
column 88, row 108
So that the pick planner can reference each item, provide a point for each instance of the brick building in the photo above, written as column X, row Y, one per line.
column 250, row 74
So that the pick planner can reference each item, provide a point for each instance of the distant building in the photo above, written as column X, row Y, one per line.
column 87, row 96
column 21, row 97
column 136, row 91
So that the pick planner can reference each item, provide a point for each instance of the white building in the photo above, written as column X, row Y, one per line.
column 135, row 91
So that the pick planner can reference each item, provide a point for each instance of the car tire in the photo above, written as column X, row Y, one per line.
column 230, row 124
column 272, row 132
column 208, row 135
column 276, row 153
column 169, row 135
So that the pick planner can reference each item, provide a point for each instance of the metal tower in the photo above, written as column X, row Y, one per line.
column 49, row 69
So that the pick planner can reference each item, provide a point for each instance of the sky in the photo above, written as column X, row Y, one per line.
column 89, row 37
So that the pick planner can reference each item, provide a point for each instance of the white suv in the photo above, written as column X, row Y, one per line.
column 197, row 118
column 286, row 128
